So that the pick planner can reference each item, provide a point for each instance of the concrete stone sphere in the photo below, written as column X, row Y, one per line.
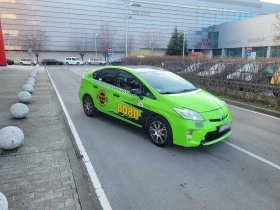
column 30, row 82
column 19, row 110
column 24, row 97
column 11, row 137
column 28, row 88
column 31, row 78
column 32, row 74
column 3, row 202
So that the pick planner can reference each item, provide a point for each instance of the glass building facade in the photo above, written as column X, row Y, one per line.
column 150, row 21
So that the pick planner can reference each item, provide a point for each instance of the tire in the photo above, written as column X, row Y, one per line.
column 88, row 106
column 159, row 131
column 21, row 64
column 78, row 63
column 67, row 63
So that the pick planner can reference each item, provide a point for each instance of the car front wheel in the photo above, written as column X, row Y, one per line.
column 89, row 107
column 159, row 131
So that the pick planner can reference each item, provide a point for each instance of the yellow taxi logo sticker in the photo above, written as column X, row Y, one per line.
column 102, row 98
column 129, row 111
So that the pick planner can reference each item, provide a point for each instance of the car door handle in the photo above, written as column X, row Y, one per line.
column 95, row 86
column 117, row 95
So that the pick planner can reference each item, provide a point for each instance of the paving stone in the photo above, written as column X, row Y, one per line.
column 37, row 175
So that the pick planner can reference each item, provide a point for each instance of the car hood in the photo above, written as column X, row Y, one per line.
column 199, row 101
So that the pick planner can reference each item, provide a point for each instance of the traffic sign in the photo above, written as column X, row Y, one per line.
column 110, row 54
column 249, row 49
column 248, row 54
column 109, row 49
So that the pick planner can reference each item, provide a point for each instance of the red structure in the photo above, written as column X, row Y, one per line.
column 3, row 61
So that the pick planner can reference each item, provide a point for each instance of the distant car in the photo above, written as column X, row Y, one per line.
column 51, row 62
column 96, row 61
column 117, row 62
column 247, row 72
column 73, row 61
column 10, row 62
column 275, row 79
column 27, row 61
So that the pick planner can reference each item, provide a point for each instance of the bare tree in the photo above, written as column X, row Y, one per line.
column 276, row 26
column 151, row 39
column 105, row 38
column 35, row 39
column 79, row 43
column 130, row 44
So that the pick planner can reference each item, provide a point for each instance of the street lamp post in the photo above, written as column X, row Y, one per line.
column 95, row 46
column 184, row 41
column 126, row 20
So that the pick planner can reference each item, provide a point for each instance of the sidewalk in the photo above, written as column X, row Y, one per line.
column 44, row 173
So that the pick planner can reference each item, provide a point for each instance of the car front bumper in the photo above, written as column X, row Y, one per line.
column 189, row 133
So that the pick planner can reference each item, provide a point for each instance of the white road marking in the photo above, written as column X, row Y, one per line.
column 77, row 72
column 253, row 155
column 254, row 111
column 239, row 148
column 94, row 178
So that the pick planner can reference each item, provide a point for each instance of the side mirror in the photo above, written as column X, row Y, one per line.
column 137, row 92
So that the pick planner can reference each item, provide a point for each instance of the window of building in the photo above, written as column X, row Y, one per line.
column 234, row 52
column 275, row 51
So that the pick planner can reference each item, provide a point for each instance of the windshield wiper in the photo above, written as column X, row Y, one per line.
column 168, row 92
column 187, row 90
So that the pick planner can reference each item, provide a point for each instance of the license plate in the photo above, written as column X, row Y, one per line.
column 225, row 127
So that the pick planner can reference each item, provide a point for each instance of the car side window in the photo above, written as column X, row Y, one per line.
column 127, row 81
column 106, row 75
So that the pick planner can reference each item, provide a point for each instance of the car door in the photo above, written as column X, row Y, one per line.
column 129, row 107
column 103, row 90
column 73, row 61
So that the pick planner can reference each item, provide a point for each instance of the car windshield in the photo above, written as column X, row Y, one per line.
column 166, row 82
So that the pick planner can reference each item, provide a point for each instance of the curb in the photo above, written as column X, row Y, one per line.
column 85, row 164
column 253, row 108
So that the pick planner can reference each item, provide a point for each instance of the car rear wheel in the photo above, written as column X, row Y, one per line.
column 67, row 63
column 89, row 107
column 21, row 64
column 159, row 131
column 78, row 63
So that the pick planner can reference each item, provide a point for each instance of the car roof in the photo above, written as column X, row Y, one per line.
column 144, row 68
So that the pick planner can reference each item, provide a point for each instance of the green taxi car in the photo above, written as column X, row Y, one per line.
column 171, row 109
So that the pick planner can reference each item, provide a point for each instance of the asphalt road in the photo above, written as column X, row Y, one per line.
column 240, row 173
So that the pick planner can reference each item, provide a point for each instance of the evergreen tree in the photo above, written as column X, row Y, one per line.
column 175, row 45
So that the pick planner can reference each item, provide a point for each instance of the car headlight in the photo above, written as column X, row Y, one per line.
column 188, row 114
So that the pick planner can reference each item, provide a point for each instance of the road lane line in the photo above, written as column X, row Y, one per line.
column 253, row 155
column 241, row 149
column 91, row 171
column 254, row 112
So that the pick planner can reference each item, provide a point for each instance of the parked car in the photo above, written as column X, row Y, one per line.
column 96, row 61
column 27, row 61
column 117, row 62
column 51, row 62
column 73, row 61
column 220, row 70
column 213, row 70
column 275, row 79
column 247, row 72
column 168, row 107
column 10, row 62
